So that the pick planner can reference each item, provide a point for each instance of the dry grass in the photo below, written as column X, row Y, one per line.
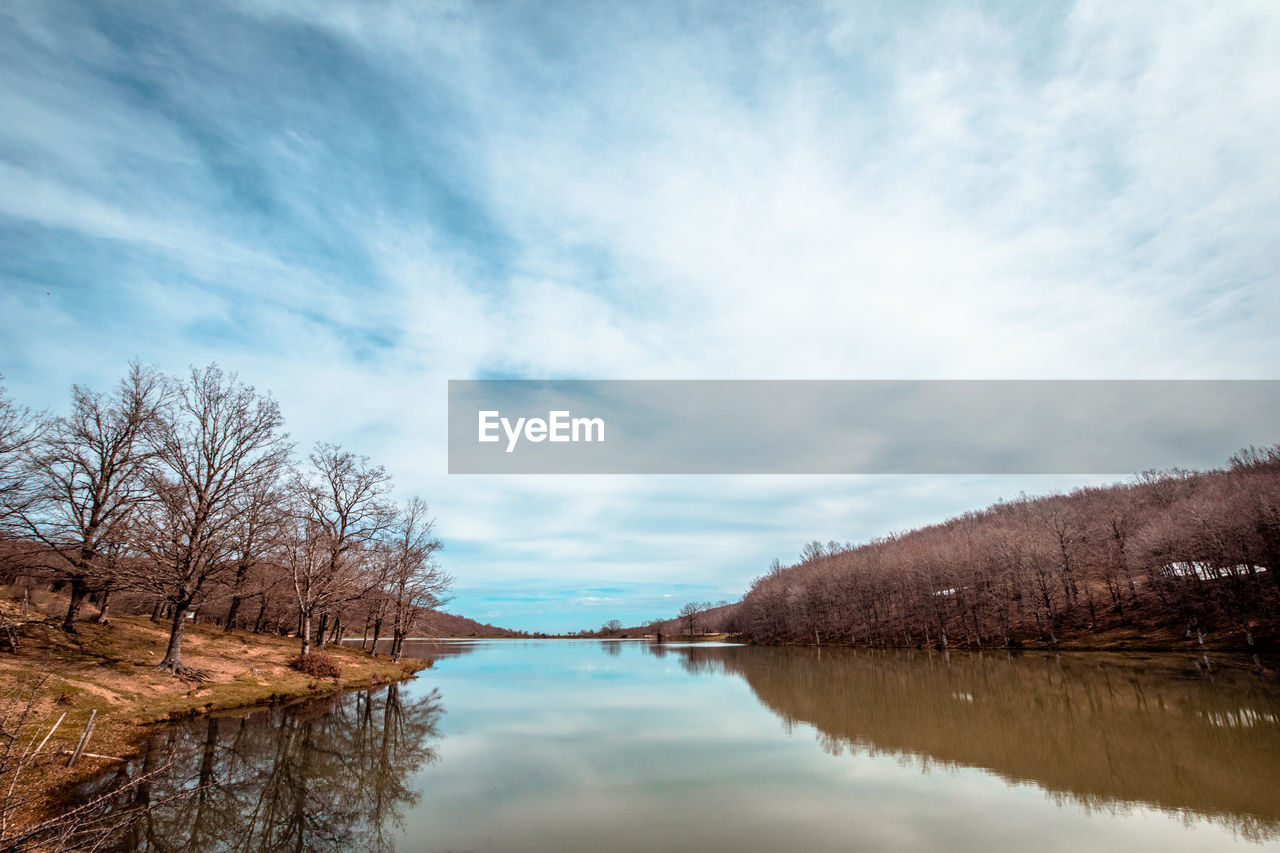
column 111, row 669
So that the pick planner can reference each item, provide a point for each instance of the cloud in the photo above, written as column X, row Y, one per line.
column 352, row 203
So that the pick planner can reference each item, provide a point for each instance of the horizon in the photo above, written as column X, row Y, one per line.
column 349, row 206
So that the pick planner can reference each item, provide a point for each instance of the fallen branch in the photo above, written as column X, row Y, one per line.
column 96, row 755
column 84, row 738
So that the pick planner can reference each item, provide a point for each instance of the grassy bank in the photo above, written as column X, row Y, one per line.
column 110, row 669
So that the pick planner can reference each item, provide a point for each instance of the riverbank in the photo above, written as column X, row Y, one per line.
column 108, row 671
column 1143, row 627
column 1120, row 639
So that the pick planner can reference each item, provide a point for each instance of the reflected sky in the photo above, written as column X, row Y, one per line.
column 570, row 745
column 625, row 745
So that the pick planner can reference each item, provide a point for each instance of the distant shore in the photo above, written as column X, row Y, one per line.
column 1119, row 640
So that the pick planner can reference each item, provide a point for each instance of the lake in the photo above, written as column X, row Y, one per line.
column 568, row 745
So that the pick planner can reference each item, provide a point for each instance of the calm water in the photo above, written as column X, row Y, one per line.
column 626, row 746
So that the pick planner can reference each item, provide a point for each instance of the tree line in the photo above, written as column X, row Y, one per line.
column 183, row 496
column 1170, row 555
column 1179, row 554
column 695, row 617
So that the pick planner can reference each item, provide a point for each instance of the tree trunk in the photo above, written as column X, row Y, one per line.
column 102, row 608
column 305, row 621
column 241, row 571
column 232, row 611
column 262, row 611
column 79, row 589
column 320, row 632
column 157, row 610
column 377, row 628
column 173, row 656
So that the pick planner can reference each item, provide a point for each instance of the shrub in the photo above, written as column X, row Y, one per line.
column 317, row 664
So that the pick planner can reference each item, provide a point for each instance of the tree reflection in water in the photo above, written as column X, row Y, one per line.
column 1181, row 734
column 325, row 775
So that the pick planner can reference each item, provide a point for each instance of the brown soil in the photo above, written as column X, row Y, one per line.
column 111, row 669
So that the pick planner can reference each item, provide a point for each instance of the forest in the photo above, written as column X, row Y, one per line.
column 183, row 498
column 1170, row 557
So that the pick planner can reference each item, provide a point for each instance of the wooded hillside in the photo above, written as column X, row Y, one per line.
column 1171, row 556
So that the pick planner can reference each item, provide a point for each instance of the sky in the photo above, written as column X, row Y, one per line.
column 350, row 202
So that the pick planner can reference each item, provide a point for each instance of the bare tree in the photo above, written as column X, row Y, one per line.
column 1174, row 550
column 220, row 443
column 341, row 509
column 377, row 603
column 260, row 517
column 89, row 476
column 812, row 551
column 306, row 556
column 689, row 615
column 268, row 583
column 415, row 581
column 20, row 430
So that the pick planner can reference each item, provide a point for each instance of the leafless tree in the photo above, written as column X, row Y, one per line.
column 415, row 581
column 90, row 476
column 1175, row 550
column 341, row 509
column 220, row 442
column 689, row 615
column 260, row 518
column 307, row 558
column 20, row 430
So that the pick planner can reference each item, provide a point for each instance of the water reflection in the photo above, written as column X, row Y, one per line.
column 578, row 745
column 423, row 649
column 329, row 775
column 1108, row 732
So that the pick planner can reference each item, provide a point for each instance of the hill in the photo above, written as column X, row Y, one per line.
column 437, row 623
column 1171, row 559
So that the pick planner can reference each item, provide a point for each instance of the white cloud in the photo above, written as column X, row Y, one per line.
column 1076, row 192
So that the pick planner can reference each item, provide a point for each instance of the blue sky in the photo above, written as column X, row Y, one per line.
column 352, row 202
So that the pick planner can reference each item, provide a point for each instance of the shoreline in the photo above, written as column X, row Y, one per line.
column 1094, row 643
column 80, row 670
column 1073, row 647
column 106, row 673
